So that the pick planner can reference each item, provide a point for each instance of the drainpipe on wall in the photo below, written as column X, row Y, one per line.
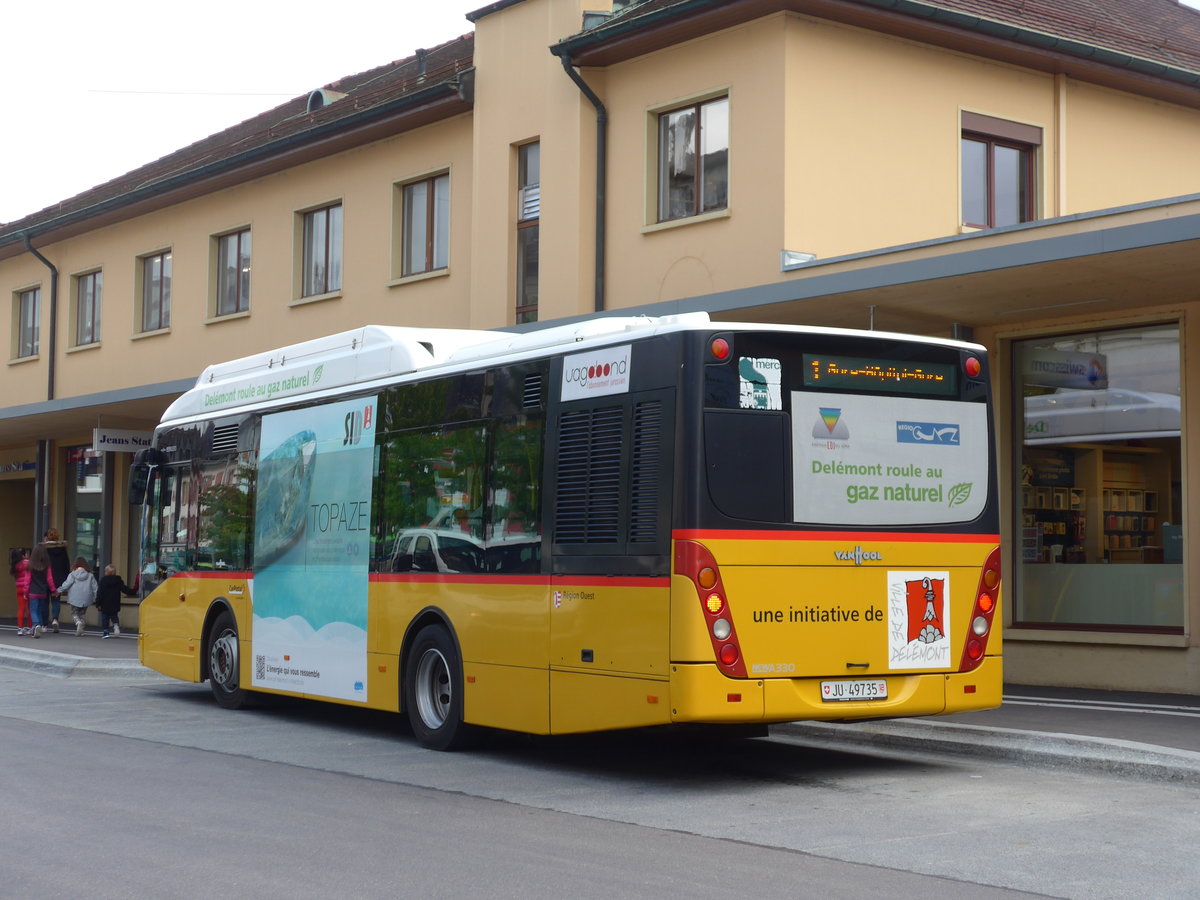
column 52, row 342
column 41, row 486
column 601, row 177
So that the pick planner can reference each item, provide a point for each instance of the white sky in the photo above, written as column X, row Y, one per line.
column 92, row 90
column 96, row 89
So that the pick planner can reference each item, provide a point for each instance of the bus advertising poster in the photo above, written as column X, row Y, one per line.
column 312, row 547
column 873, row 460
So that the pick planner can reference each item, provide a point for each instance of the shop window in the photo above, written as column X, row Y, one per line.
column 84, row 501
column 1100, row 535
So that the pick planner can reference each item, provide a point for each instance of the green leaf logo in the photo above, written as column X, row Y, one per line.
column 959, row 494
column 317, row 373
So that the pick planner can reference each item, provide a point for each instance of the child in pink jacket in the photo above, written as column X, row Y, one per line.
column 20, row 572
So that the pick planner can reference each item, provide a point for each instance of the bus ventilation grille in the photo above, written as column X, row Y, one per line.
column 646, row 473
column 531, row 398
column 225, row 439
column 589, row 477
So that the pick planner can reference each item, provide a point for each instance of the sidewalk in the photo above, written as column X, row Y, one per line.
column 64, row 654
column 1138, row 735
column 1155, row 736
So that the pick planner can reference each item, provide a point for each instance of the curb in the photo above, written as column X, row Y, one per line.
column 65, row 665
column 1110, row 756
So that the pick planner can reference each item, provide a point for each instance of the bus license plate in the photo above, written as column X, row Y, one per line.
column 854, row 689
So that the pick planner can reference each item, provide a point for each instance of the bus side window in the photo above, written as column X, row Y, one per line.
column 515, row 496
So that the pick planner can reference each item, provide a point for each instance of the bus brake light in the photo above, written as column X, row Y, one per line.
column 695, row 561
column 986, row 597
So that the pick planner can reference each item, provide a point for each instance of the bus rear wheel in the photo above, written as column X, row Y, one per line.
column 223, row 662
column 433, row 691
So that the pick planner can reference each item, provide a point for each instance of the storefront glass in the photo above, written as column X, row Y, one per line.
column 84, row 503
column 1099, row 525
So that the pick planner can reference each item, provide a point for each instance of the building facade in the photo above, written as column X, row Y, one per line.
column 1021, row 173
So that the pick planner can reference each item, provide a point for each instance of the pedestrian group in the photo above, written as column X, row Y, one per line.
column 44, row 578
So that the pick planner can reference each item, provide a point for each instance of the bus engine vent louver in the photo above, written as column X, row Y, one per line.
column 646, row 472
column 225, row 439
column 589, row 477
column 531, row 396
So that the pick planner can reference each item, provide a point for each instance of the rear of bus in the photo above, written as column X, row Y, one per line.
column 836, row 545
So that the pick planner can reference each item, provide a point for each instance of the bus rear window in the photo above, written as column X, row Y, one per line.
column 877, row 431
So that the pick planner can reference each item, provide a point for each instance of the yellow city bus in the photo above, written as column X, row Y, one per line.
column 621, row 523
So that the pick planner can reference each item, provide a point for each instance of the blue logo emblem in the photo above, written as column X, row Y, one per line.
column 927, row 433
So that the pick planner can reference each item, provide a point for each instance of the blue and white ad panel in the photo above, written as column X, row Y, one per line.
column 312, row 548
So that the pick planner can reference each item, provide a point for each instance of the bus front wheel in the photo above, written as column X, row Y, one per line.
column 433, row 691
column 223, row 665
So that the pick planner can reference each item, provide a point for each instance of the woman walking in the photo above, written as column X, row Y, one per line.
column 41, row 586
column 60, row 566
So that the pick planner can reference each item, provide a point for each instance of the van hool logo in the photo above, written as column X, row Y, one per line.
column 858, row 556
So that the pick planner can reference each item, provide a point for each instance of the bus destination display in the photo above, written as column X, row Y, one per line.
column 878, row 374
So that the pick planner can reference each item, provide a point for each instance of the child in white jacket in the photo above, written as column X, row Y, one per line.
column 80, row 590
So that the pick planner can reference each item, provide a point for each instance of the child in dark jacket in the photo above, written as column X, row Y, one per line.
column 108, row 600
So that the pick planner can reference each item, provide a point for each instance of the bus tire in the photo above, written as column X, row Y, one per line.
column 224, row 662
column 433, row 693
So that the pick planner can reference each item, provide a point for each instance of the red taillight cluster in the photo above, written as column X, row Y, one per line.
column 696, row 562
column 987, row 597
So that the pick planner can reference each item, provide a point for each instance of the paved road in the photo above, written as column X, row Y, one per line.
column 559, row 812
column 1155, row 736
column 244, row 827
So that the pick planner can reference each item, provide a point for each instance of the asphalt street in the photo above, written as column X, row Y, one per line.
column 1155, row 736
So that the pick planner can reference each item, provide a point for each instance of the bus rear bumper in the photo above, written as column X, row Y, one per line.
column 701, row 693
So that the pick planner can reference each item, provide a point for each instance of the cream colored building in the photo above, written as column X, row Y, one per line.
column 1002, row 171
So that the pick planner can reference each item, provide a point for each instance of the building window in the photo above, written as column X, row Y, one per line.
column 27, row 314
column 999, row 171
column 155, row 275
column 693, row 160
column 322, row 253
column 88, row 293
column 233, row 273
column 1100, row 527
column 425, row 225
column 529, row 212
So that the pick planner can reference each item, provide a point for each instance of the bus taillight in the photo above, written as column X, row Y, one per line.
column 696, row 562
column 986, row 597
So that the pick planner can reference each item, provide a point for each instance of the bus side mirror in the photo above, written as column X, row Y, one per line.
column 139, row 473
column 139, row 478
